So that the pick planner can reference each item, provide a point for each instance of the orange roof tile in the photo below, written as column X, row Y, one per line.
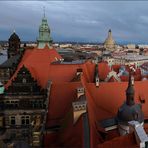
column 122, row 142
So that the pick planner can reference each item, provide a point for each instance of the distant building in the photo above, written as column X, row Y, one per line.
column 44, row 34
column 131, row 46
column 128, row 59
column 109, row 43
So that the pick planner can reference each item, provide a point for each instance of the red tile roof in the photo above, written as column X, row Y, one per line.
column 60, row 101
column 103, row 101
column 127, row 141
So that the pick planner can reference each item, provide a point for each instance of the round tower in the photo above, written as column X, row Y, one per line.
column 129, row 110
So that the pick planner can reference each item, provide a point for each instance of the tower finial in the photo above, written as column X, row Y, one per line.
column 110, row 33
column 130, row 90
column 44, row 11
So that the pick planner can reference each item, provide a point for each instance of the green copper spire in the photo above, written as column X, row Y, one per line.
column 44, row 33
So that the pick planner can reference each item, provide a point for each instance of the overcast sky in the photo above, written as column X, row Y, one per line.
column 76, row 20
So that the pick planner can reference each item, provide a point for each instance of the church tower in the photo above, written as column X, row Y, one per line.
column 44, row 34
column 109, row 43
column 14, row 45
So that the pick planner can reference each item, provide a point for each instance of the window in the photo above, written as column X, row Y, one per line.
column 11, row 104
column 12, row 120
column 37, row 103
column 25, row 120
column 24, row 80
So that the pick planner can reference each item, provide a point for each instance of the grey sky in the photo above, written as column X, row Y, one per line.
column 76, row 20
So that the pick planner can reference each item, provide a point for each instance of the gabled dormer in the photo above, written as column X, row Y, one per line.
column 80, row 92
column 79, row 105
column 112, row 77
column 77, row 76
column 24, row 83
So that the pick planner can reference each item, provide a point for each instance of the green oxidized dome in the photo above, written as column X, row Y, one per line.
column 44, row 34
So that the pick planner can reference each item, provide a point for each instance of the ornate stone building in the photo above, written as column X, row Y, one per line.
column 109, row 43
column 22, row 110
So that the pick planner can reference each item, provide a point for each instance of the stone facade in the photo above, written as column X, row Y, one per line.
column 22, row 110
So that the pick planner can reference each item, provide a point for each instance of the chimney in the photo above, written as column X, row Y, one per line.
column 140, row 134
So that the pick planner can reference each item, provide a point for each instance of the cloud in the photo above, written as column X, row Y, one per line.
column 76, row 20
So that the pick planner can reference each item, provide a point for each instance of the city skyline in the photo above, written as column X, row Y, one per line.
column 81, row 21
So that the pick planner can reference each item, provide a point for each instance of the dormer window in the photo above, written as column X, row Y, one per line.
column 79, row 108
column 79, row 71
column 80, row 92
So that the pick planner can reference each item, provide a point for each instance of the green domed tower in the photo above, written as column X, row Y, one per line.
column 44, row 34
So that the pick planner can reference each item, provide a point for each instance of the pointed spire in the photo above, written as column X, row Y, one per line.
column 44, row 11
column 96, row 75
column 109, row 33
column 130, row 91
column 14, row 31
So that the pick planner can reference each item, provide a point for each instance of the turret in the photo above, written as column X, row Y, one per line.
column 129, row 110
column 130, row 92
column 14, row 45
